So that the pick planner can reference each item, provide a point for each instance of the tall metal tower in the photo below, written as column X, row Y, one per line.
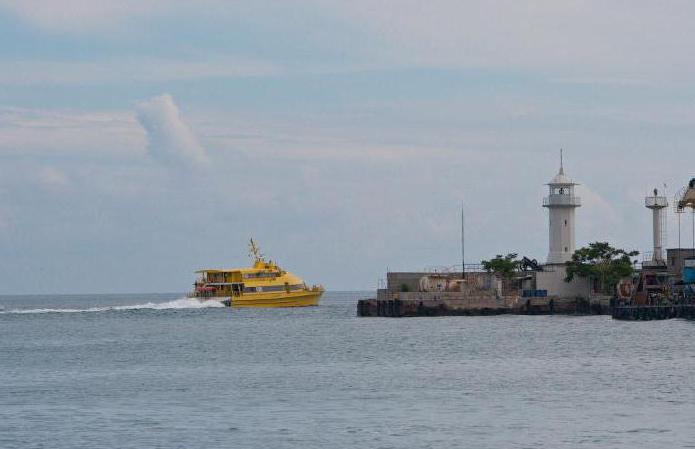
column 685, row 199
column 561, row 204
column 657, row 204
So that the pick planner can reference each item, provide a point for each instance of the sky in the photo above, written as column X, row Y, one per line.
column 143, row 140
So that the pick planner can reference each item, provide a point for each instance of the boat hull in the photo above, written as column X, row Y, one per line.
column 268, row 300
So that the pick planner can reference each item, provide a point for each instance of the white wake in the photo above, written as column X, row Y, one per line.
column 181, row 303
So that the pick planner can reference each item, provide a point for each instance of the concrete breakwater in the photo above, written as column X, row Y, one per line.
column 451, row 306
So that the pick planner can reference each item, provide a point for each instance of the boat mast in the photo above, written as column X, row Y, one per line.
column 255, row 251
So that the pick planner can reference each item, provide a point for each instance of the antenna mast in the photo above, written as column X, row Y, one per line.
column 463, row 245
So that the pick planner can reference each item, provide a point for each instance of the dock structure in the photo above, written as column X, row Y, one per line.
column 416, row 294
column 653, row 312
column 662, row 288
column 665, row 287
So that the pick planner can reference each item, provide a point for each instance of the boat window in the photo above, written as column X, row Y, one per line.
column 274, row 288
column 260, row 275
column 282, row 288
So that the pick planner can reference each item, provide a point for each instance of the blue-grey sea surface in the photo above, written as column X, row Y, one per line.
column 160, row 371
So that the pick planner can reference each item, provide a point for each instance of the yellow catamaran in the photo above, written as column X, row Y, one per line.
column 263, row 285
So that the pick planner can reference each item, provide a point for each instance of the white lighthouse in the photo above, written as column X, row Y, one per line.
column 657, row 204
column 561, row 204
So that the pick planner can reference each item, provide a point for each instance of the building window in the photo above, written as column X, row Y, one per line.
column 566, row 249
column 565, row 222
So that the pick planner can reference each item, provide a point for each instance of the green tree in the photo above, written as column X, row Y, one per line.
column 504, row 266
column 601, row 261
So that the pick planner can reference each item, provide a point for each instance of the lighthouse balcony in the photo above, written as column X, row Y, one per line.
column 562, row 200
column 656, row 202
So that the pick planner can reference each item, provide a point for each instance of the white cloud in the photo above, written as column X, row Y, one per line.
column 578, row 41
column 80, row 15
column 583, row 39
column 169, row 138
column 119, row 70
column 64, row 132
column 115, row 16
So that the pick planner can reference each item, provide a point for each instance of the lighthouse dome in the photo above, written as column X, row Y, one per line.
column 561, row 179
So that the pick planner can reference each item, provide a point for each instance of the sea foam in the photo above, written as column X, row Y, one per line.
column 181, row 303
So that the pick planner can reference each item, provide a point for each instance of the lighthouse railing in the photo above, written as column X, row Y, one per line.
column 655, row 201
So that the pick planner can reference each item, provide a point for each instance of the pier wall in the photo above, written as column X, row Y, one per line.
column 654, row 312
column 410, row 282
column 453, row 304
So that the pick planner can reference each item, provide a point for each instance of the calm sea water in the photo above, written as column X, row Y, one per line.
column 158, row 371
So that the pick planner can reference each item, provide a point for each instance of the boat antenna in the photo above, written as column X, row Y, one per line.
column 255, row 251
